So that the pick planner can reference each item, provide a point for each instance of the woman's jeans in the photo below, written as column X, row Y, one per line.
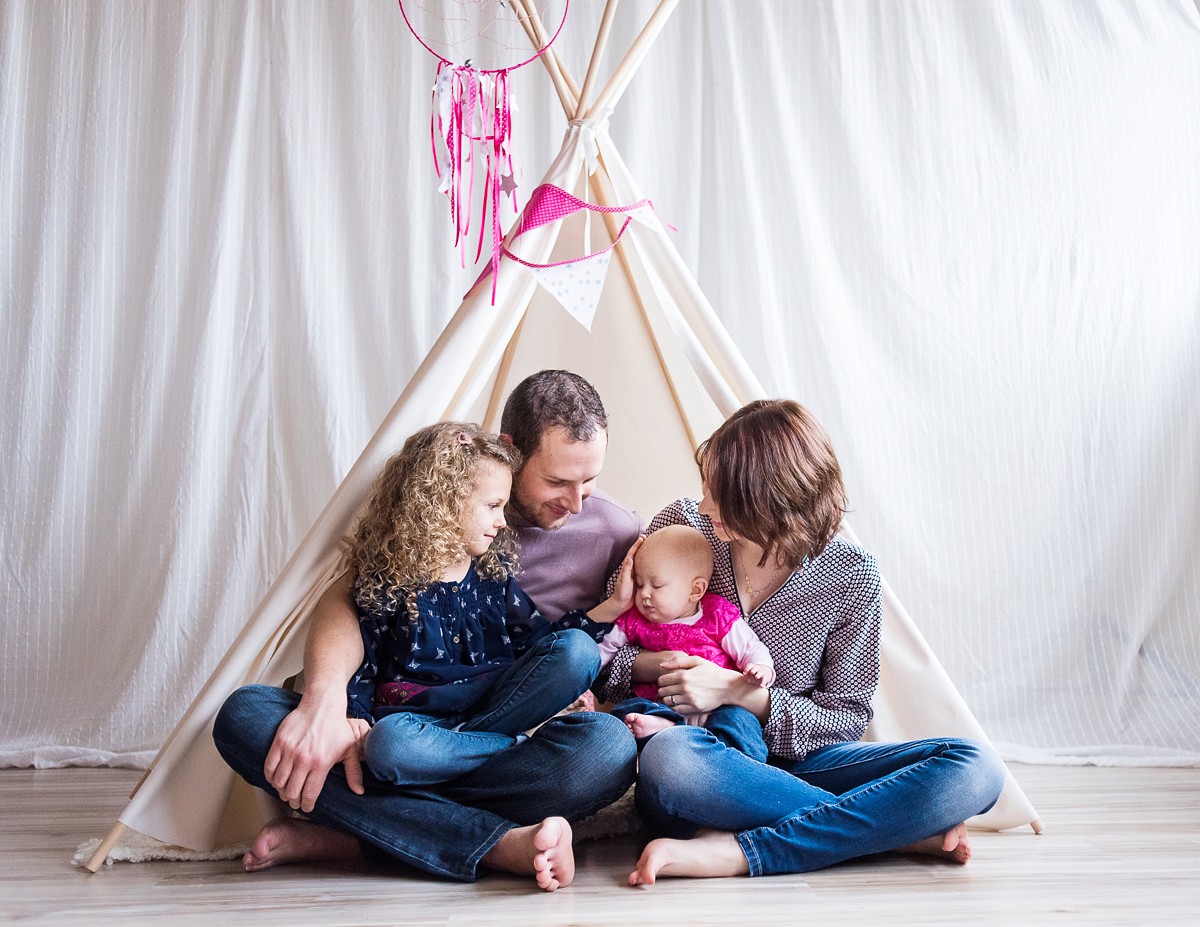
column 840, row 801
column 572, row 766
column 412, row 748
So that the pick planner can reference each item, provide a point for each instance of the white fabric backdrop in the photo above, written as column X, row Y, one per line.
column 966, row 234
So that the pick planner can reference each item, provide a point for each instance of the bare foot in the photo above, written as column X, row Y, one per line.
column 953, row 845
column 710, row 854
column 288, row 840
column 543, row 849
column 646, row 725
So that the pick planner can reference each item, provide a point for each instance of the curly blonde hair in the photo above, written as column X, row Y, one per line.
column 411, row 529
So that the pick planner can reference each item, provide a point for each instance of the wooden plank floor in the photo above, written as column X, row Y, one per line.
column 1122, row 846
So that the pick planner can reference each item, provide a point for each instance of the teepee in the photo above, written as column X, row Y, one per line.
column 668, row 373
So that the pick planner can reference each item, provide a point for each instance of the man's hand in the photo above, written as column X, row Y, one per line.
column 623, row 588
column 621, row 599
column 309, row 743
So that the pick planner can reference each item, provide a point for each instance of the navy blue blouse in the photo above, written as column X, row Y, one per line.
column 446, row 659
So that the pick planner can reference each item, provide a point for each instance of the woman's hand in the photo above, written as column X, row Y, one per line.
column 692, row 684
column 621, row 599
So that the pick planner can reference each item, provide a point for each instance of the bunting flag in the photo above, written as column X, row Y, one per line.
column 576, row 285
column 576, row 282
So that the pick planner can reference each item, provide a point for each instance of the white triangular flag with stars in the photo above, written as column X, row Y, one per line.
column 576, row 285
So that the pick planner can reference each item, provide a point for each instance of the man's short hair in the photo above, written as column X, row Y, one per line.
column 552, row 399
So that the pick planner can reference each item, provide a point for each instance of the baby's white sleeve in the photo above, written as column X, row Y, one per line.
column 615, row 639
column 743, row 645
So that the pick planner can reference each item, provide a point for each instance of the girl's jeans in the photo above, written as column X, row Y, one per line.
column 411, row 748
column 840, row 801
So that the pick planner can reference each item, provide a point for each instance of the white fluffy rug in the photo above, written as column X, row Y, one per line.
column 138, row 848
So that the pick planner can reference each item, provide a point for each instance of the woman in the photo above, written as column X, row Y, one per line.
column 773, row 501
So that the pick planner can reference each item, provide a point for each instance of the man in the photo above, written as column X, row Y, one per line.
column 511, row 814
column 571, row 536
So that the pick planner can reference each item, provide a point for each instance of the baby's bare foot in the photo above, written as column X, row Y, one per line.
column 710, row 854
column 953, row 845
column 288, row 840
column 646, row 725
column 543, row 849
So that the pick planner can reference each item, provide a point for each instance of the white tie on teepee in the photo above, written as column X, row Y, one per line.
column 669, row 374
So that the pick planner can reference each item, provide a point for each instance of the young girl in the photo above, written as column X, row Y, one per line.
column 458, row 662
column 674, row 611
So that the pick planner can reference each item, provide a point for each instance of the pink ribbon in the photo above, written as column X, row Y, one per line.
column 476, row 132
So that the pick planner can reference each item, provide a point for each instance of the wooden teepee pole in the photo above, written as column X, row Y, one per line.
column 637, row 51
column 604, row 199
column 602, row 195
column 610, row 12
column 96, row 860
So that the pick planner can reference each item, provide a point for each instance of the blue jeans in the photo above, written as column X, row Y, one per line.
column 732, row 725
column 839, row 802
column 572, row 766
column 412, row 748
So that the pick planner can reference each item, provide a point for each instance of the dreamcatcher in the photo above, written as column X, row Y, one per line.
column 478, row 44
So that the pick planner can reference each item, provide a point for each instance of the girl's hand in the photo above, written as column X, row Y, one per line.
column 649, row 664
column 585, row 702
column 361, row 729
column 311, row 741
column 692, row 684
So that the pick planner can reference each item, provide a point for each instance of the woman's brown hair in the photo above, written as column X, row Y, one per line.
column 772, row 472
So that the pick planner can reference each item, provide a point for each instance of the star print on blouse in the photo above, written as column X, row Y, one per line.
column 494, row 621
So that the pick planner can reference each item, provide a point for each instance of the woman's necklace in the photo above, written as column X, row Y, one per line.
column 750, row 589
column 769, row 580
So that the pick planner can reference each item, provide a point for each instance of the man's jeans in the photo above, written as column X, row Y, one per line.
column 412, row 748
column 839, row 802
column 572, row 766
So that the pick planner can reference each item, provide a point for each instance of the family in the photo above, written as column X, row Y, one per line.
column 490, row 589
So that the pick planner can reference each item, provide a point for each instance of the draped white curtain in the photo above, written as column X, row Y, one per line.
column 965, row 233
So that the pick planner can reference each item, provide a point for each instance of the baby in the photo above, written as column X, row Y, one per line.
column 673, row 610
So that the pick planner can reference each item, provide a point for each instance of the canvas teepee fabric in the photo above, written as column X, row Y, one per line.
column 668, row 373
